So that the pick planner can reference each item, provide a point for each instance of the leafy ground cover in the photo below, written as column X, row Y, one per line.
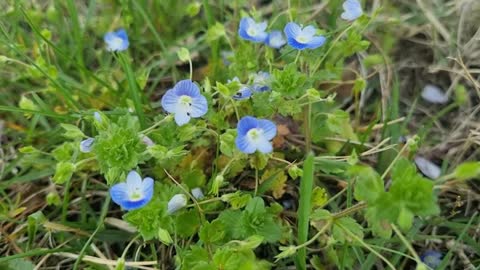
column 239, row 134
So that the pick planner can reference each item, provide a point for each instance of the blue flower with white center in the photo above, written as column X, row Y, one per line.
column 261, row 81
column 185, row 101
column 134, row 193
column 352, row 10
column 255, row 134
column 117, row 41
column 275, row 39
column 302, row 38
column 251, row 30
column 177, row 202
column 243, row 93
column 86, row 145
column 431, row 258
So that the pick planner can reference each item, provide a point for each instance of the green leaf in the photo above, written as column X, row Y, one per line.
column 215, row 32
column 63, row 172
column 289, row 81
column 405, row 219
column 72, row 132
column 467, row 170
column 368, row 184
column 349, row 223
column 187, row 223
column 212, row 232
column 319, row 197
column 164, row 236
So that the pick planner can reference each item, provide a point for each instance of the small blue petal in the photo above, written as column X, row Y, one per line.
column 252, row 31
column 292, row 30
column 275, row 39
column 199, row 106
column 119, row 193
column 181, row 118
column 261, row 81
column 178, row 201
column 187, row 88
column 170, row 101
column 244, row 145
column 431, row 258
column 264, row 146
column 297, row 45
column 86, row 145
column 243, row 93
column 316, row 42
column 116, row 41
column 245, row 124
column 268, row 127
column 352, row 10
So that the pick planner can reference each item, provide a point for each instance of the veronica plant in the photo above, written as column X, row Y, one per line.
column 185, row 102
column 134, row 193
column 116, row 41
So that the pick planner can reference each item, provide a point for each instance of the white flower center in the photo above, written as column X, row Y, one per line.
column 185, row 104
column 254, row 135
column 116, row 43
column 252, row 31
column 303, row 38
column 135, row 194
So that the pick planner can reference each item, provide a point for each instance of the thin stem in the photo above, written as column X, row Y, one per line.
column 150, row 129
column 256, row 182
column 297, row 57
column 357, row 207
column 191, row 68
column 366, row 245
column 394, row 160
column 406, row 243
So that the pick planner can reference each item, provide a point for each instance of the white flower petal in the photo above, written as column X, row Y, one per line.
column 86, row 145
column 434, row 94
column 177, row 202
column 197, row 193
column 428, row 168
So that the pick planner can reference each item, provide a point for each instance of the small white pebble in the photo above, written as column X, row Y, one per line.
column 428, row 168
column 197, row 193
column 434, row 94
column 178, row 201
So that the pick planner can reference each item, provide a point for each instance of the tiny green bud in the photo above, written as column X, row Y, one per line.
column 183, row 54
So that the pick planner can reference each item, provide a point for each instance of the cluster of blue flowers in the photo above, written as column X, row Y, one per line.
column 260, row 82
column 298, row 36
column 185, row 102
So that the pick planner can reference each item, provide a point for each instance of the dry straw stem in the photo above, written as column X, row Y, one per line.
column 87, row 258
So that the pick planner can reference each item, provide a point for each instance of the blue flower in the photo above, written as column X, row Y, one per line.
column 185, row 102
column 86, row 145
column 177, row 202
column 243, row 93
column 352, row 10
column 261, row 81
column 250, row 30
column 302, row 38
column 431, row 258
column 117, row 41
column 255, row 134
column 275, row 39
column 134, row 193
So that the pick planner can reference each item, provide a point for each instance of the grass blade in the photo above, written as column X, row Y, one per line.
column 306, row 188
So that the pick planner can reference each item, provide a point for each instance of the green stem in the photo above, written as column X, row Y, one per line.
column 134, row 89
column 407, row 244
column 101, row 220
column 306, row 187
